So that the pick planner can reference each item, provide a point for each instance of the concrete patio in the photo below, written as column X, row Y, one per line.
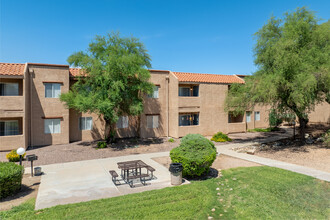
column 90, row 180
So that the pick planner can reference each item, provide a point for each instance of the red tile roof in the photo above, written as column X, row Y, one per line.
column 75, row 72
column 207, row 78
column 12, row 69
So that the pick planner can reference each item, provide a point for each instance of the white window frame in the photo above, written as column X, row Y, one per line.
column 122, row 122
column 257, row 116
column 152, row 121
column 55, row 90
column 248, row 116
column 9, row 131
column 52, row 126
column 10, row 93
column 85, row 123
column 155, row 93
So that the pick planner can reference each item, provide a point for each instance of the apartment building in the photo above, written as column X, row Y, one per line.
column 31, row 113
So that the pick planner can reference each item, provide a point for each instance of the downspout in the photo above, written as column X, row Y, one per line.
column 168, row 105
column 31, row 120
column 26, row 139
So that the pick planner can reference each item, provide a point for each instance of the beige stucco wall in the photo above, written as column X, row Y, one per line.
column 48, row 107
column 156, row 106
column 321, row 113
column 13, row 107
column 173, row 106
column 76, row 134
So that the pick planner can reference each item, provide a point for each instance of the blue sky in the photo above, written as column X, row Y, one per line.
column 188, row 36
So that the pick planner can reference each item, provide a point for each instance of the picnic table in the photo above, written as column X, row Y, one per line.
column 131, row 170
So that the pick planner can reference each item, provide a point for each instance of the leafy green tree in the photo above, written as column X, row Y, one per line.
column 114, row 79
column 293, row 60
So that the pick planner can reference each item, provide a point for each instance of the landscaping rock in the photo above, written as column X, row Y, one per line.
column 309, row 141
column 251, row 151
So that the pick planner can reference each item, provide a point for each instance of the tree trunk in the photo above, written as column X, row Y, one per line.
column 302, row 126
column 109, row 132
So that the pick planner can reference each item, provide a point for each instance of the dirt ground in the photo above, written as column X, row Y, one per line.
column 314, row 156
column 29, row 190
column 221, row 162
column 87, row 150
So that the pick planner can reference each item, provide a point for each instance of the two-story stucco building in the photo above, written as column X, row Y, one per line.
column 31, row 113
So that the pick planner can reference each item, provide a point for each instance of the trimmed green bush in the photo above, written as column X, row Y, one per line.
column 171, row 140
column 220, row 137
column 101, row 144
column 196, row 154
column 11, row 176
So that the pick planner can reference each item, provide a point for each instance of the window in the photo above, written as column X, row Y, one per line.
column 152, row 121
column 52, row 126
column 85, row 123
column 188, row 119
column 248, row 116
column 52, row 90
column 9, row 127
column 9, row 89
column 188, row 90
column 235, row 118
column 155, row 93
column 257, row 116
column 122, row 122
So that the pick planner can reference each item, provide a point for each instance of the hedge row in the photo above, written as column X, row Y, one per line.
column 11, row 176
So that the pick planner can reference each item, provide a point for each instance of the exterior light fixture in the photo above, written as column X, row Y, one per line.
column 20, row 151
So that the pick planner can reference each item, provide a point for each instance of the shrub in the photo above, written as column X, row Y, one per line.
column 101, row 144
column 11, row 176
column 12, row 156
column 264, row 129
column 274, row 118
column 195, row 153
column 171, row 140
column 327, row 138
column 220, row 137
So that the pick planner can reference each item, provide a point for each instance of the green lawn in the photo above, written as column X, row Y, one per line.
column 246, row 193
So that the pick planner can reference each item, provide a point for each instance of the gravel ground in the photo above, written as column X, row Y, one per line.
column 221, row 162
column 313, row 156
column 87, row 151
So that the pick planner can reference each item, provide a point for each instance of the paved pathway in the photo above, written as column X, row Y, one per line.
column 90, row 180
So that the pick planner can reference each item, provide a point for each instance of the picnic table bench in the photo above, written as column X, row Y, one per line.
column 131, row 170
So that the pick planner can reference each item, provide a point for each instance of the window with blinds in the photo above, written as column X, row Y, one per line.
column 152, row 121
column 9, row 127
column 122, row 122
column 52, row 126
column 85, row 123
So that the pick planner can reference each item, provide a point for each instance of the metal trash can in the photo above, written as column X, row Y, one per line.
column 37, row 171
column 176, row 173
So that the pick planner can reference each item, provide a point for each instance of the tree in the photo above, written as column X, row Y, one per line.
column 293, row 62
column 114, row 79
